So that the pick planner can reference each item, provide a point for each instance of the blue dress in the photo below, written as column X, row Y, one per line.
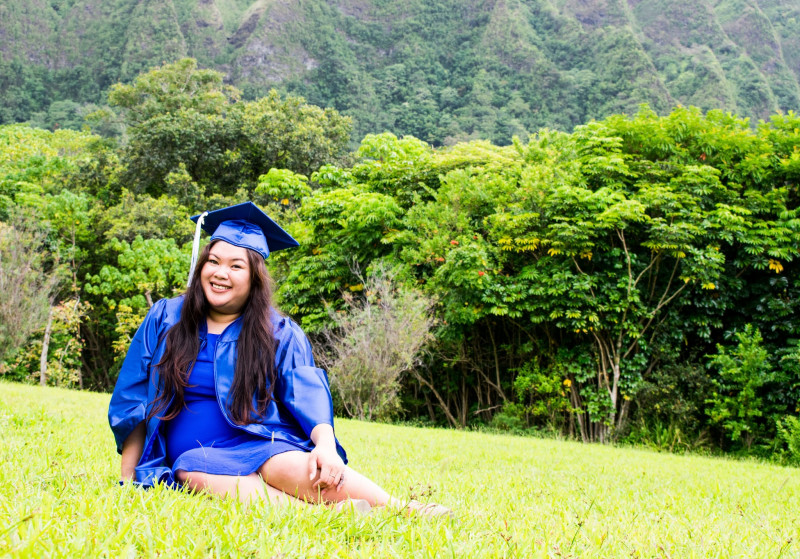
column 201, row 439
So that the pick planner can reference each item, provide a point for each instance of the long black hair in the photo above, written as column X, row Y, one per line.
column 255, row 353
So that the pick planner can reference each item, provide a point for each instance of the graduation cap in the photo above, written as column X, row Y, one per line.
column 243, row 225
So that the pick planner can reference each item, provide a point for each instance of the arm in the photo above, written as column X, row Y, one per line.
column 128, row 406
column 304, row 392
column 132, row 452
column 303, row 389
column 324, row 459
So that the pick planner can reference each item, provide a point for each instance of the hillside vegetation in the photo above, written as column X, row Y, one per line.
column 512, row 497
column 441, row 70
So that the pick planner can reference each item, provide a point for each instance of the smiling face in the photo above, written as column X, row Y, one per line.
column 225, row 279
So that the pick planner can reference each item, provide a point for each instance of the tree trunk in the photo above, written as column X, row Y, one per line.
column 442, row 404
column 496, row 363
column 431, row 412
column 45, row 346
column 464, row 402
column 579, row 414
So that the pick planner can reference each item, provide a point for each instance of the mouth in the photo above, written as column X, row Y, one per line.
column 218, row 287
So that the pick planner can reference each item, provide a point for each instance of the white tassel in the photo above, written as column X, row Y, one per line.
column 195, row 247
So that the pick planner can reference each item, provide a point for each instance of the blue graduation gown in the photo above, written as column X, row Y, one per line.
column 301, row 397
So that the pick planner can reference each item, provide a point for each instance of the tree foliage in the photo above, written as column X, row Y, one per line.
column 579, row 278
column 597, row 255
column 184, row 121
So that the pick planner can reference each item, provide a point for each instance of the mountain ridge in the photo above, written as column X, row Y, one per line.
column 442, row 70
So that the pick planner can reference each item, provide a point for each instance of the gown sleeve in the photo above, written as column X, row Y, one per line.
column 301, row 387
column 129, row 401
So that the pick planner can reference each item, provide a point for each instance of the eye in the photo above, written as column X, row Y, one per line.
column 213, row 261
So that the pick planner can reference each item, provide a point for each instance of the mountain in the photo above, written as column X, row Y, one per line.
column 442, row 70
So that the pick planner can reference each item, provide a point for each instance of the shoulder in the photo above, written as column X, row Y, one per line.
column 293, row 344
column 286, row 329
column 167, row 308
column 164, row 313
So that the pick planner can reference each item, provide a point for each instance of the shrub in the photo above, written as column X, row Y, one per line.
column 376, row 339
column 789, row 437
column 24, row 287
column 735, row 404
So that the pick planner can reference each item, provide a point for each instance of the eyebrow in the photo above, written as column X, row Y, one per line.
column 218, row 257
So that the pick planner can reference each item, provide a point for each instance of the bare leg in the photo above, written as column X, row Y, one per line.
column 283, row 479
column 245, row 488
column 288, row 472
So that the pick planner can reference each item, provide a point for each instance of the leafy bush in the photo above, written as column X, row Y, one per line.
column 789, row 439
column 735, row 404
column 541, row 398
column 376, row 339
column 669, row 411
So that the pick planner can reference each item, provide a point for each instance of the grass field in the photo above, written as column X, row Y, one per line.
column 513, row 497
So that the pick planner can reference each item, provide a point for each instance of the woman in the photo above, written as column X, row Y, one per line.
column 219, row 392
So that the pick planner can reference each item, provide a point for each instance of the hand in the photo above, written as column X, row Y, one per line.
column 132, row 452
column 327, row 462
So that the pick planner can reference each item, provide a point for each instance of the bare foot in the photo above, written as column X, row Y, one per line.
column 431, row 510
column 358, row 506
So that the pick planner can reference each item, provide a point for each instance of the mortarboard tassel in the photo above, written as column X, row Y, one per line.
column 195, row 247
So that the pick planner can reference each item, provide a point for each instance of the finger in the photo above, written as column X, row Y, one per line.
column 328, row 476
column 312, row 466
column 324, row 474
column 326, row 493
column 321, row 483
column 337, row 479
column 333, row 477
column 330, row 492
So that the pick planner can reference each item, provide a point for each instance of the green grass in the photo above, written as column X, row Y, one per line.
column 513, row 497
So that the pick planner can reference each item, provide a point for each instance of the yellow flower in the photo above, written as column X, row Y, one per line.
column 775, row 265
column 285, row 201
column 567, row 382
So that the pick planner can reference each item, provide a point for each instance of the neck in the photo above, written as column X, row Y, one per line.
column 217, row 322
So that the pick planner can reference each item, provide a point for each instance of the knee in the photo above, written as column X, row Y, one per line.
column 249, row 484
column 193, row 481
column 276, row 470
column 289, row 466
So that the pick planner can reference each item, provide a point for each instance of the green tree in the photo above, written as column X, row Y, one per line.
column 184, row 120
column 624, row 241
column 146, row 270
